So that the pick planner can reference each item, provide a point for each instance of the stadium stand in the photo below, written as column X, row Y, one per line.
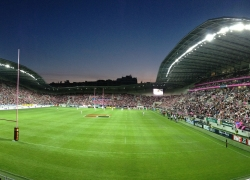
column 230, row 104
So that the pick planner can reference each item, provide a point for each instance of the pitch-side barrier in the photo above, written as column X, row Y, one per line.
column 11, row 107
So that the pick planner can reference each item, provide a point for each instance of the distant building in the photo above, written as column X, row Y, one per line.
column 127, row 80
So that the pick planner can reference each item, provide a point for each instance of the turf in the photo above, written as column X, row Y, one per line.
column 65, row 144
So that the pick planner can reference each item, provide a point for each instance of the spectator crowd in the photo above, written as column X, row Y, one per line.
column 224, row 103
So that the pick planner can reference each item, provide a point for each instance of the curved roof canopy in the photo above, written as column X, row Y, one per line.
column 27, row 77
column 217, row 46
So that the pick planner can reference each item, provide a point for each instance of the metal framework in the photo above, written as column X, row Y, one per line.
column 217, row 46
column 28, row 78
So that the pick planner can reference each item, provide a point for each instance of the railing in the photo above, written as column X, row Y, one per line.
column 224, row 80
column 220, row 86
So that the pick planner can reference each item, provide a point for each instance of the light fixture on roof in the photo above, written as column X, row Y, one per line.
column 247, row 27
column 223, row 30
column 209, row 37
column 237, row 27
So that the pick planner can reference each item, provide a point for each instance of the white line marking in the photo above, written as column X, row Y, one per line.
column 114, row 152
column 183, row 142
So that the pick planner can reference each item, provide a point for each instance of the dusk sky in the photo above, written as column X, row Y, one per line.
column 89, row 40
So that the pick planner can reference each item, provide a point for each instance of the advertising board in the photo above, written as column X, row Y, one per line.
column 189, row 121
column 206, row 127
column 198, row 124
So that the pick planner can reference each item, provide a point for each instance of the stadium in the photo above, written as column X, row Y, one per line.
column 193, row 122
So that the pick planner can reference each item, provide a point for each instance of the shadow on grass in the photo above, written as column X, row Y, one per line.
column 8, row 120
column 5, row 139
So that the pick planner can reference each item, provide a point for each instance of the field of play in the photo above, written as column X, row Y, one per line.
column 70, row 143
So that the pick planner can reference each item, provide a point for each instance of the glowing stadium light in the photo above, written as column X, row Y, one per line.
column 190, row 49
column 6, row 66
column 223, row 30
column 10, row 67
column 28, row 74
column 209, row 38
column 237, row 27
column 247, row 27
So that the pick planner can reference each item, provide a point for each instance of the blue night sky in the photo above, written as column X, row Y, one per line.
column 89, row 40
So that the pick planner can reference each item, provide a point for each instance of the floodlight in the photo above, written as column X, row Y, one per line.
column 223, row 30
column 209, row 37
column 237, row 27
column 247, row 27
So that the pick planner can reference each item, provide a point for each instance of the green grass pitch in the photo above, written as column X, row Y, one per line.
column 64, row 144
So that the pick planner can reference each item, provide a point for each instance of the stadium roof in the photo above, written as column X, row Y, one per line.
column 27, row 77
column 217, row 46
